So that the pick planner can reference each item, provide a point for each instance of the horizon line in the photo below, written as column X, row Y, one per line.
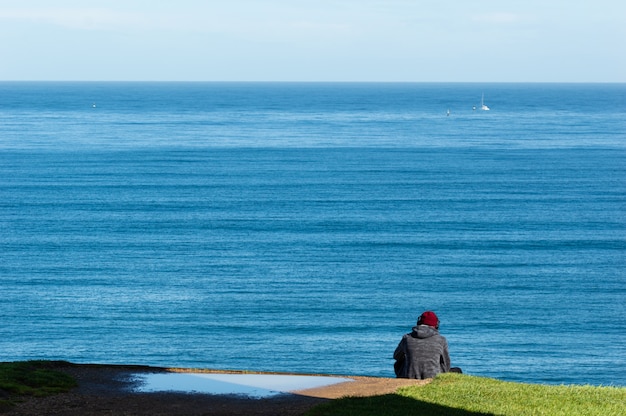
column 302, row 82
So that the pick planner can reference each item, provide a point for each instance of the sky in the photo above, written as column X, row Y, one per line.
column 314, row 40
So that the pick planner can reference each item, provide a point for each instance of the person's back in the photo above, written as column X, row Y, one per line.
column 423, row 353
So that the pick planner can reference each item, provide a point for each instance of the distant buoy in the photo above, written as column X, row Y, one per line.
column 93, row 105
column 448, row 114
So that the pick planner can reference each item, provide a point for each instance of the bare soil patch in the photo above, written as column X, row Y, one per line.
column 107, row 390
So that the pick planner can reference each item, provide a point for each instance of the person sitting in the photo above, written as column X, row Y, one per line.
column 423, row 353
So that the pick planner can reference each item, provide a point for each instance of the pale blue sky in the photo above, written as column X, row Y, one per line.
column 314, row 40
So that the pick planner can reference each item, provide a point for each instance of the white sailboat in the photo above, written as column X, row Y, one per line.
column 482, row 104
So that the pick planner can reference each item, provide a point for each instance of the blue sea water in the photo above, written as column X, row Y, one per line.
column 304, row 227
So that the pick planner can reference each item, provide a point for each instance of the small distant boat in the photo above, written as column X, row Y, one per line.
column 482, row 104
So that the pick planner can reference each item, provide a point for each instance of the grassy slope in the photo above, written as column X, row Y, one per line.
column 31, row 378
column 463, row 395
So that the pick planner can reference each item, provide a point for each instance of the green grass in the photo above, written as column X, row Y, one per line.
column 31, row 378
column 463, row 395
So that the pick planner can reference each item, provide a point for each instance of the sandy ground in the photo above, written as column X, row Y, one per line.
column 108, row 390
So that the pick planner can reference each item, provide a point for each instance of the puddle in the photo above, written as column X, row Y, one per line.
column 251, row 385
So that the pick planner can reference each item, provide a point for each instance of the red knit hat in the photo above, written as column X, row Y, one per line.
column 428, row 318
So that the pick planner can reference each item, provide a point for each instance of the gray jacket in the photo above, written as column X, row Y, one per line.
column 422, row 354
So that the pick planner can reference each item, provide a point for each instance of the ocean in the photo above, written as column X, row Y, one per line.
column 303, row 227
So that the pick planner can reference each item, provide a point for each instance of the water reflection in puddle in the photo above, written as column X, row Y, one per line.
column 251, row 385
